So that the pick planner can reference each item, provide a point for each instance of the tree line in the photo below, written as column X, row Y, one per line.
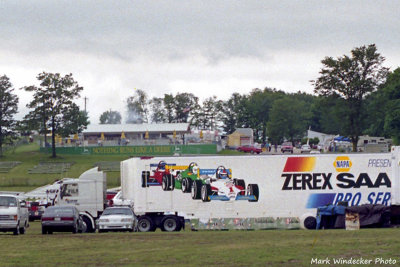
column 353, row 95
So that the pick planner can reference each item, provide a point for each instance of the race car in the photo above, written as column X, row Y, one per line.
column 223, row 187
column 163, row 174
column 185, row 179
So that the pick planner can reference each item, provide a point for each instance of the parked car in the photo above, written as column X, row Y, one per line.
column 62, row 219
column 35, row 210
column 287, row 147
column 249, row 149
column 117, row 219
column 13, row 215
column 305, row 148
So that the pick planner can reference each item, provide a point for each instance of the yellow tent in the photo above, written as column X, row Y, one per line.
column 123, row 135
column 102, row 136
column 76, row 136
column 146, row 135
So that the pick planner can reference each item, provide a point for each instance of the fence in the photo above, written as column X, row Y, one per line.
column 149, row 150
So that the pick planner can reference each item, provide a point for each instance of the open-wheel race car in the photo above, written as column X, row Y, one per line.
column 223, row 187
column 163, row 174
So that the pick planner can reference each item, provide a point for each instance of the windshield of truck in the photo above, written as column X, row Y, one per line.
column 69, row 190
column 8, row 201
column 119, row 211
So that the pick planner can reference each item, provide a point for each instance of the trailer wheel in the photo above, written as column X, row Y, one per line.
column 145, row 224
column 252, row 190
column 240, row 183
column 170, row 224
column 165, row 183
column 310, row 223
column 205, row 192
column 196, row 189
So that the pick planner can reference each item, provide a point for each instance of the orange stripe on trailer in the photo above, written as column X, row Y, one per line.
column 172, row 167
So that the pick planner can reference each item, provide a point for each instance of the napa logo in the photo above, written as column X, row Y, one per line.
column 342, row 164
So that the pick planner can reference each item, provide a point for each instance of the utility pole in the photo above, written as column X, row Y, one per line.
column 85, row 99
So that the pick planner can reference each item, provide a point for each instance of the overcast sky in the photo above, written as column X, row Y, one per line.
column 203, row 47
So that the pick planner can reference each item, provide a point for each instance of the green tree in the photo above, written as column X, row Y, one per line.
column 352, row 78
column 289, row 119
column 74, row 120
column 209, row 114
column 185, row 104
column 52, row 100
column 234, row 113
column 110, row 117
column 8, row 108
column 158, row 112
column 137, row 106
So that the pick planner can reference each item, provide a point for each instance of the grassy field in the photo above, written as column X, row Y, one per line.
column 203, row 248
column 18, row 179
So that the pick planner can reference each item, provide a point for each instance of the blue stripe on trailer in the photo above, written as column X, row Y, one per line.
column 211, row 171
column 222, row 198
column 249, row 197
column 152, row 184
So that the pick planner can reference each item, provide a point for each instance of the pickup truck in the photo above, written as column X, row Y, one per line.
column 14, row 215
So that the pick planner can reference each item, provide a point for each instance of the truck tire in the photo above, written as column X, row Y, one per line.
column 44, row 231
column 186, row 185
column 252, row 190
column 196, row 189
column 205, row 192
column 170, row 224
column 145, row 224
column 89, row 227
column 242, row 184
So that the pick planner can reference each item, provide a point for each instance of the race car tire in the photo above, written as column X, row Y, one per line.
column 186, row 185
column 145, row 224
column 170, row 224
column 241, row 183
column 205, row 192
column 252, row 190
column 145, row 178
column 196, row 189
column 171, row 182
column 165, row 183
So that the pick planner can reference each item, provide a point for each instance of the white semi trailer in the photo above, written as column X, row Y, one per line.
column 255, row 191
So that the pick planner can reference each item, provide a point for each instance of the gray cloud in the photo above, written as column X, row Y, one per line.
column 205, row 47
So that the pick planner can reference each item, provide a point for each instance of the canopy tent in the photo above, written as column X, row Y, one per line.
column 342, row 139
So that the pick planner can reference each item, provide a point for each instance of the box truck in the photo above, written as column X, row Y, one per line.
column 260, row 191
